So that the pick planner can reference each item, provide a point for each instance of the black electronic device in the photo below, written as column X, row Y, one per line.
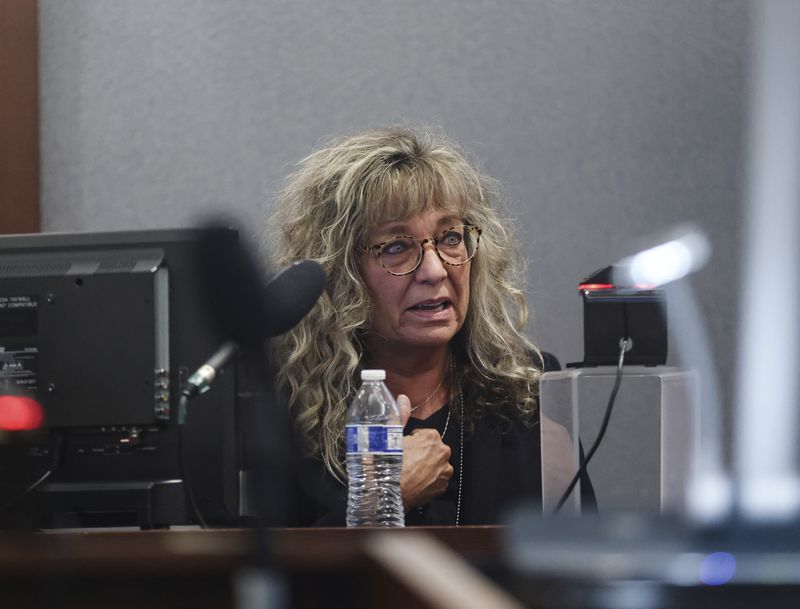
column 613, row 312
column 104, row 329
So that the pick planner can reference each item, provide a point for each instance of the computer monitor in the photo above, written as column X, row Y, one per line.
column 103, row 329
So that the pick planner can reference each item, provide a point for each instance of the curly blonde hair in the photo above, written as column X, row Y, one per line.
column 326, row 210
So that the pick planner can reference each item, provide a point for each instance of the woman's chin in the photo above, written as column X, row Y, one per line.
column 431, row 340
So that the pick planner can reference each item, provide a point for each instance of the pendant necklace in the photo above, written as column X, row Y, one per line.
column 433, row 393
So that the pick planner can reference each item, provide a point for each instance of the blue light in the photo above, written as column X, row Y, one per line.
column 717, row 568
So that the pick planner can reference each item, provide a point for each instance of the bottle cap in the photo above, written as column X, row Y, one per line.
column 373, row 375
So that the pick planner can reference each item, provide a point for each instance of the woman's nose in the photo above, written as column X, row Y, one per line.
column 431, row 268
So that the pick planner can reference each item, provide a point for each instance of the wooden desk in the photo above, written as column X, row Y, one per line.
column 319, row 567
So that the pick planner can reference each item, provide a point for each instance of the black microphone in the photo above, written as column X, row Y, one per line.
column 290, row 294
column 233, row 286
column 288, row 297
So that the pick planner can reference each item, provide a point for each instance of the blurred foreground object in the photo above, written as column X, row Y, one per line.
column 748, row 553
column 637, row 561
column 667, row 265
column 769, row 342
column 20, row 413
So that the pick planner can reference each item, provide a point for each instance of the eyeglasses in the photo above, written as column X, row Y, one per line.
column 402, row 254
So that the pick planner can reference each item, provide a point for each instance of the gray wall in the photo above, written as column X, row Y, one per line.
column 606, row 121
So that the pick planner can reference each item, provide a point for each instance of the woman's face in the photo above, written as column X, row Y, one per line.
column 426, row 307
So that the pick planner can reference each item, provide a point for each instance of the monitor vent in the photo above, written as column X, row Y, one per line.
column 116, row 265
column 34, row 268
column 63, row 264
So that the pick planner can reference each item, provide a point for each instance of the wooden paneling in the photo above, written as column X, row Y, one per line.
column 19, row 117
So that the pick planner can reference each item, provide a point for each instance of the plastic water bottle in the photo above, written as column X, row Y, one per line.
column 374, row 439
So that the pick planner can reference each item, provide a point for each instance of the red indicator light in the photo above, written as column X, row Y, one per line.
column 18, row 413
column 596, row 286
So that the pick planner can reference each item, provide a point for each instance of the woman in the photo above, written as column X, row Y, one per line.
column 423, row 280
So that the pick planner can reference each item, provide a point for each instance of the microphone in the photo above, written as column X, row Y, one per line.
column 288, row 297
column 233, row 287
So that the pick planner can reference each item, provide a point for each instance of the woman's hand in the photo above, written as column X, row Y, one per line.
column 426, row 462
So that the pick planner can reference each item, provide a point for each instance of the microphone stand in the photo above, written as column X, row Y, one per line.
column 260, row 584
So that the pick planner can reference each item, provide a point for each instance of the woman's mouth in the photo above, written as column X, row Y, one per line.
column 431, row 306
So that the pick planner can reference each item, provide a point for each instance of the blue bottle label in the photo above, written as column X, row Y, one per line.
column 374, row 439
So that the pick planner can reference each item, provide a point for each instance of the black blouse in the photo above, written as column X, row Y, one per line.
column 502, row 468
column 442, row 509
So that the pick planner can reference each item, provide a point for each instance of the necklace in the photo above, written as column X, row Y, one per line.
column 461, row 439
column 460, row 451
column 446, row 423
column 428, row 399
column 460, row 454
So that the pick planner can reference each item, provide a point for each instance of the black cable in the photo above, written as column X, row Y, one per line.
column 606, row 417
column 40, row 480
column 187, row 487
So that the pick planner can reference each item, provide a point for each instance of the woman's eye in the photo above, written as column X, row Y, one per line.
column 395, row 247
column 450, row 239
